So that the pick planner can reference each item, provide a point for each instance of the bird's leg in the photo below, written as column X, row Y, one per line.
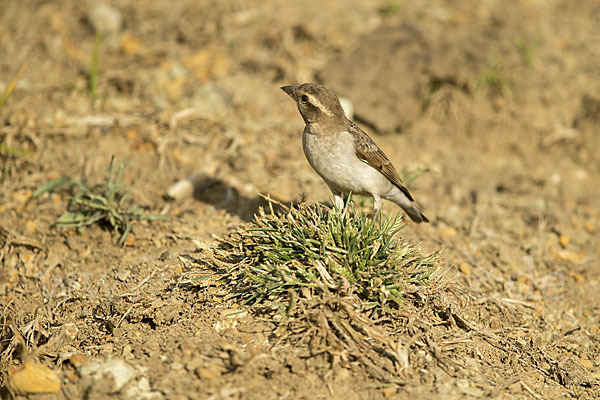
column 338, row 199
column 376, row 205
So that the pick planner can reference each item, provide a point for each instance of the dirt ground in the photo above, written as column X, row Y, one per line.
column 499, row 103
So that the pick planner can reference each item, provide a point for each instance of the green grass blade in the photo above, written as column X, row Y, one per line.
column 51, row 186
column 93, row 78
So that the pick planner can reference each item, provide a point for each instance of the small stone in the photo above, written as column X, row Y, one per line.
column 78, row 360
column 70, row 331
column 22, row 196
column 117, row 370
column 130, row 44
column 105, row 18
column 176, row 366
column 181, row 189
column 130, row 240
column 578, row 277
column 448, row 232
column 30, row 226
column 464, row 268
column 568, row 256
column 589, row 227
column 122, row 275
column 32, row 378
column 127, row 352
column 144, row 384
column 564, row 241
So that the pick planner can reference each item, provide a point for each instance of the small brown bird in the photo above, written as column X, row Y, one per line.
column 343, row 155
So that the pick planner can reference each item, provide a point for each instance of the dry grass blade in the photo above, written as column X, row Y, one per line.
column 11, row 86
column 93, row 77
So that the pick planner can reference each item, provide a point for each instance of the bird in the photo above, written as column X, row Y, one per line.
column 344, row 155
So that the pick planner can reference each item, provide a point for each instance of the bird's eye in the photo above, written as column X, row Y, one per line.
column 304, row 98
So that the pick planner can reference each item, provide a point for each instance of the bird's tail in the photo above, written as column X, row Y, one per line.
column 409, row 206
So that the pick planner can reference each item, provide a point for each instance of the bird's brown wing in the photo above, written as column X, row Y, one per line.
column 368, row 152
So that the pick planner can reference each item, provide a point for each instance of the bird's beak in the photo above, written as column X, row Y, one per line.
column 291, row 91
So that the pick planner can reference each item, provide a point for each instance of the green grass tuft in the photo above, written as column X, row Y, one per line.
column 313, row 249
column 527, row 49
column 409, row 177
column 495, row 78
column 107, row 203
column 15, row 151
column 390, row 8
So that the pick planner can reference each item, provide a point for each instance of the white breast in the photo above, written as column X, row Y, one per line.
column 333, row 157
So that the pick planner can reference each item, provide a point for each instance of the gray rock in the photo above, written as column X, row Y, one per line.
column 105, row 19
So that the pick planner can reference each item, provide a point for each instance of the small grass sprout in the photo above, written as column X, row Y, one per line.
column 527, row 49
column 495, row 78
column 390, row 8
column 93, row 76
column 107, row 203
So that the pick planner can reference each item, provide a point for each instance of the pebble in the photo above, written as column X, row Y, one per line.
column 69, row 331
column 78, row 360
column 105, row 19
column 122, row 275
column 118, row 370
column 564, row 241
column 589, row 227
column 181, row 189
column 464, row 268
column 32, row 378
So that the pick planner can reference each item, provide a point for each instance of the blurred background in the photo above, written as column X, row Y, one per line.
column 491, row 110
column 482, row 95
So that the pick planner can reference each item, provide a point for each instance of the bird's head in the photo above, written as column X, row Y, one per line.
column 316, row 103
